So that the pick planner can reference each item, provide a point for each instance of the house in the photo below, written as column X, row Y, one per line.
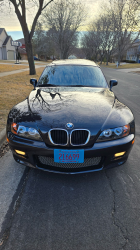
column 133, row 53
column 72, row 57
column 22, row 49
column 7, row 51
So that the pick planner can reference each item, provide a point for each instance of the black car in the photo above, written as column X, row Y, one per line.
column 36, row 58
column 71, row 122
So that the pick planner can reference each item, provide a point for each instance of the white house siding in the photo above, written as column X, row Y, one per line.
column 4, row 53
column 133, row 53
column 0, row 53
column 9, row 46
column 7, row 51
column 10, row 50
column 3, row 36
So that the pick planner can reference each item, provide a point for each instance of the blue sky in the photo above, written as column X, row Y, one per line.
column 15, row 34
column 19, row 34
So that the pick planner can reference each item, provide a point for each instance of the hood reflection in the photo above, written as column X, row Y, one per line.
column 83, row 106
column 89, row 108
column 49, row 100
column 22, row 112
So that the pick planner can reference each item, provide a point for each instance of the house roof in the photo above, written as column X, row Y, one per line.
column 135, row 45
column 1, row 29
column 22, row 51
column 6, row 40
column 21, row 40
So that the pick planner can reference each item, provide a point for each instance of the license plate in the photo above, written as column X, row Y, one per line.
column 68, row 156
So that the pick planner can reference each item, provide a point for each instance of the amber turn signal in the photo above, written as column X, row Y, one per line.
column 14, row 128
column 119, row 154
column 7, row 139
column 20, row 152
column 133, row 141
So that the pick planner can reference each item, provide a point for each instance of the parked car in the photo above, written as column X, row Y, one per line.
column 71, row 122
column 36, row 58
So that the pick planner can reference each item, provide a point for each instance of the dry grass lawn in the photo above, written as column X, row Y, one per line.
column 13, row 89
column 125, row 66
column 6, row 68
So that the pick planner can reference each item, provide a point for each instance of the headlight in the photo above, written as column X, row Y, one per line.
column 115, row 133
column 23, row 131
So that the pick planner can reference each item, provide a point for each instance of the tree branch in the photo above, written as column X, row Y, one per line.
column 17, row 11
column 36, row 18
column 23, row 9
column 47, row 4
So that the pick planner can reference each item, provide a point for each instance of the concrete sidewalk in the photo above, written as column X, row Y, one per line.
column 24, row 63
column 129, row 70
column 20, row 70
column 20, row 64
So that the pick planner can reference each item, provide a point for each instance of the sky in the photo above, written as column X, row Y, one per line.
column 9, row 21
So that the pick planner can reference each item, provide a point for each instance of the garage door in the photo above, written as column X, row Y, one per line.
column 11, row 55
column 0, row 54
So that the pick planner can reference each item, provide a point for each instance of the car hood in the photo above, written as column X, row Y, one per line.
column 94, row 109
column 86, row 108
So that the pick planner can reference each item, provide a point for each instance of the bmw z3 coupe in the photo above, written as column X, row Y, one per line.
column 71, row 122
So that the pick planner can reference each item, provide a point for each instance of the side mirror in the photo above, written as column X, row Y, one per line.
column 33, row 82
column 113, row 83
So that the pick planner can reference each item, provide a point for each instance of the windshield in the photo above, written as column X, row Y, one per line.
column 68, row 75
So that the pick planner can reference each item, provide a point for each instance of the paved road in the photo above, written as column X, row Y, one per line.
column 98, row 211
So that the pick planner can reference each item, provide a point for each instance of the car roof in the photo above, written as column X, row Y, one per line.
column 83, row 62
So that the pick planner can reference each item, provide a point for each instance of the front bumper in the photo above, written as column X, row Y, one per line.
column 104, row 150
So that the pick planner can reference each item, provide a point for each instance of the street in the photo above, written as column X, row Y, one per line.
column 94, row 211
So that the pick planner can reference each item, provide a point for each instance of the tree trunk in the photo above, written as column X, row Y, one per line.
column 119, row 57
column 107, row 57
column 101, row 59
column 29, row 51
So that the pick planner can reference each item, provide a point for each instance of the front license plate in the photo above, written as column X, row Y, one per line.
column 68, row 156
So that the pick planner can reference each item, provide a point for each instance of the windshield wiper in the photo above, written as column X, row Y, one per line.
column 53, row 85
column 47, row 85
column 78, row 86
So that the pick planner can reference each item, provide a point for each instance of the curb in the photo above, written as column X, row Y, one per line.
column 2, row 136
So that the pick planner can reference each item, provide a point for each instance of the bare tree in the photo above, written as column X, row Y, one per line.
column 43, row 42
column 20, row 8
column 52, row 47
column 114, row 31
column 38, row 39
column 64, row 18
column 99, row 40
column 107, row 37
column 91, row 44
column 124, row 15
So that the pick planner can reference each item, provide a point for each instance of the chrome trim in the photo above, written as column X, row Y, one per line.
column 49, row 134
column 80, row 144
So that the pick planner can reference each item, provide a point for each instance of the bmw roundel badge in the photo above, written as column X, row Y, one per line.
column 69, row 125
